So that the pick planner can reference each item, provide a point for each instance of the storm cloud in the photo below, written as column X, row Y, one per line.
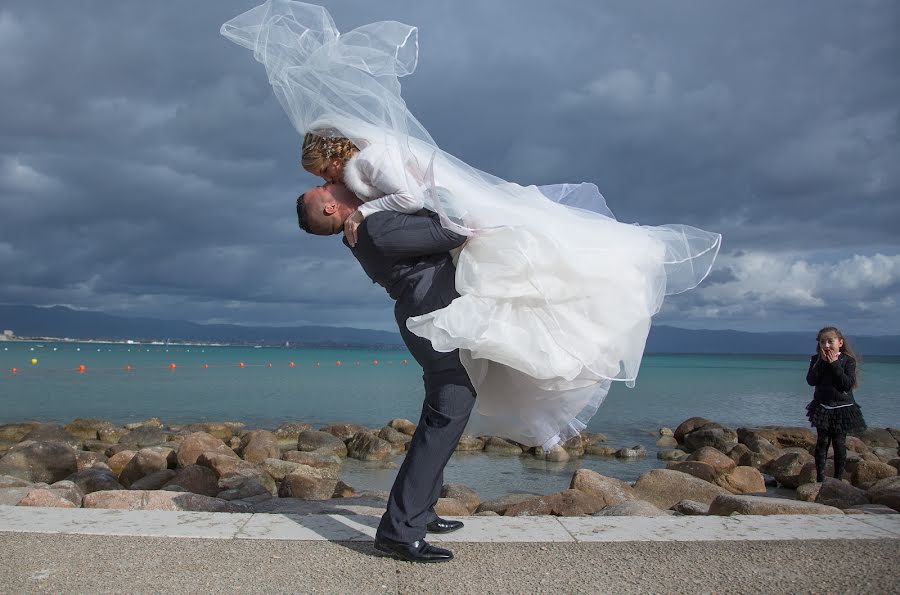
column 147, row 169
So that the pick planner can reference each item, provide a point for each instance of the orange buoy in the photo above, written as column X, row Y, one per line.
column 128, row 368
column 338, row 363
column 14, row 370
column 240, row 364
column 172, row 366
column 290, row 364
column 82, row 369
column 268, row 365
column 374, row 362
column 404, row 362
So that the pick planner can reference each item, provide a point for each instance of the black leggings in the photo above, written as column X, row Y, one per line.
column 838, row 440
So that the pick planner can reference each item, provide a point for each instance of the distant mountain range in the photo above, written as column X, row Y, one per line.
column 60, row 321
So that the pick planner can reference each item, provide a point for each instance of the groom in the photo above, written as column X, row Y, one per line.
column 409, row 256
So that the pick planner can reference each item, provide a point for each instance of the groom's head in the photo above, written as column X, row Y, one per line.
column 322, row 210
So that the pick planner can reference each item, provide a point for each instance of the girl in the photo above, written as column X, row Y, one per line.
column 833, row 410
column 374, row 174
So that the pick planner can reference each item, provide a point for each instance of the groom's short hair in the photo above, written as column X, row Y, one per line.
column 301, row 214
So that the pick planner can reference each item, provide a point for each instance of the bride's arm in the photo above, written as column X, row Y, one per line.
column 385, row 172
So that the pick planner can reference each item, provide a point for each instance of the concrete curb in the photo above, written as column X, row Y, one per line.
column 543, row 529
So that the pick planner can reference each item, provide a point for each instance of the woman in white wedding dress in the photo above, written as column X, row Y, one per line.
column 556, row 296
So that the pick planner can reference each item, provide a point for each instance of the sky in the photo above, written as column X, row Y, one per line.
column 146, row 168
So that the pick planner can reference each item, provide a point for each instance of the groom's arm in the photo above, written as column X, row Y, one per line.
column 405, row 236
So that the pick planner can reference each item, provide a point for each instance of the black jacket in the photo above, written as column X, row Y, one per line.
column 833, row 381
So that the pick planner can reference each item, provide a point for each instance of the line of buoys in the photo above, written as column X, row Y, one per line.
column 82, row 368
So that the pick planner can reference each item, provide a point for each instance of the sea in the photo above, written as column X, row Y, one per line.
column 267, row 386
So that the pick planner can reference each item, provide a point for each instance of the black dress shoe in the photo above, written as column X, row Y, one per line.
column 417, row 551
column 440, row 525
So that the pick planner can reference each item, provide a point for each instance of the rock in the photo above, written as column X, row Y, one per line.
column 778, row 436
column 143, row 436
column 111, row 435
column 12, row 496
column 688, row 426
column 592, row 438
column 224, row 431
column 469, row 443
column 556, row 454
column 501, row 446
column 152, row 422
column 808, row 472
column 664, row 431
column 68, row 490
column 664, row 488
column 486, row 513
column 743, row 455
column 306, row 487
column 240, row 487
column 95, row 480
column 600, row 451
column 720, row 438
column 398, row 440
column 462, row 493
column 45, row 497
column 329, row 464
column 870, row 509
column 631, row 508
column 808, row 491
column 52, row 433
column 635, row 452
column 39, row 461
column 144, row 462
column 16, row 432
column 878, row 437
column 310, row 440
column 196, row 444
column 742, row 480
column 9, row 481
column 97, row 446
column 889, row 497
column 854, row 444
column 259, row 445
column 153, row 481
column 366, row 446
column 840, row 494
column 866, row 471
column 499, row 505
column 786, row 468
column 342, row 490
column 118, row 461
column 159, row 500
column 288, row 433
column 720, row 462
column 691, row 508
column 895, row 463
column 672, row 454
column 168, row 453
column 403, row 425
column 279, row 469
column 197, row 479
column 450, row 507
column 703, row 471
column 87, row 428
column 226, row 466
column 574, row 447
column 564, row 503
column 885, row 455
column 344, row 431
column 607, row 490
column 762, row 505
column 667, row 442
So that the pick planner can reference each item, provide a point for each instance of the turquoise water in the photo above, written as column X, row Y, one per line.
column 732, row 390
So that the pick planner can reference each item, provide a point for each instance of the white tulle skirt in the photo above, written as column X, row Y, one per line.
column 555, row 308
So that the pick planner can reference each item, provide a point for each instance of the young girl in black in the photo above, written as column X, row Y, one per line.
column 833, row 410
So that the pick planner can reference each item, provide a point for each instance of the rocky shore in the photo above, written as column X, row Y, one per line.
column 709, row 469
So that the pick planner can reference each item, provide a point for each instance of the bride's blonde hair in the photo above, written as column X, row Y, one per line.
column 319, row 149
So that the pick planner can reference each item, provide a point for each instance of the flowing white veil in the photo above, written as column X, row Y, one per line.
column 348, row 85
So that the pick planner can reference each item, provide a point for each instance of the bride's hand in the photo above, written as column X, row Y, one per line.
column 350, row 224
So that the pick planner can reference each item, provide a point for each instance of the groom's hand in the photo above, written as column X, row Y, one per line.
column 350, row 225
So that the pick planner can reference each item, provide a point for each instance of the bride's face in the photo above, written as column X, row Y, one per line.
column 332, row 171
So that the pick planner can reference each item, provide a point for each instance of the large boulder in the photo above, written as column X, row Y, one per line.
column 117, row 462
column 46, row 462
column 301, row 486
column 224, row 431
column 398, row 440
column 469, row 443
column 808, row 492
column 886, row 492
column 720, row 462
column 52, row 433
column 95, row 479
column 574, row 446
column 240, row 487
column 143, row 463
column 664, row 488
column 867, row 471
column 634, row 452
column 501, row 446
column 153, row 481
column 632, row 508
column 714, row 435
column 878, row 437
column 46, row 498
column 688, row 426
column 310, row 440
column 8, row 481
column 329, row 464
column 226, row 466
column 607, row 490
column 143, row 436
column 742, row 480
column 287, row 434
column 778, row 436
column 671, row 454
column 786, row 468
column 366, row 446
column 762, row 505
column 159, row 500
column 691, row 508
column 280, row 469
column 463, row 494
column 198, row 443
column 840, row 494
column 556, row 454
column 403, row 425
column 196, row 479
column 564, row 503
column 703, row 471
column 450, row 507
column 87, row 428
column 501, row 504
column 259, row 445
column 16, row 432
column 344, row 431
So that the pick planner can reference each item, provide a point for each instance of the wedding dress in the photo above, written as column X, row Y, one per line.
column 556, row 296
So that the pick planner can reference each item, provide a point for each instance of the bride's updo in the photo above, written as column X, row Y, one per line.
column 318, row 149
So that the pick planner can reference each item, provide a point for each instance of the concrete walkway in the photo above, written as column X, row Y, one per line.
column 94, row 550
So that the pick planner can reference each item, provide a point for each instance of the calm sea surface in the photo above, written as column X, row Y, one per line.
column 732, row 390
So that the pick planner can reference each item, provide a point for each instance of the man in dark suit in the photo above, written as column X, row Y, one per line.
column 409, row 256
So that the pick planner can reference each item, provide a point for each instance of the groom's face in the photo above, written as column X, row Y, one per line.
column 321, row 211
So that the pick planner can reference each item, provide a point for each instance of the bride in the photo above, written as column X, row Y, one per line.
column 556, row 296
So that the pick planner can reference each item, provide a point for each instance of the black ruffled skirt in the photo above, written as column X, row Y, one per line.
column 843, row 420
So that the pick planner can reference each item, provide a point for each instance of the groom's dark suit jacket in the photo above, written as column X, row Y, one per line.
column 409, row 256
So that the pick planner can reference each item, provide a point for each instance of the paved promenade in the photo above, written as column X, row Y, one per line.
column 93, row 550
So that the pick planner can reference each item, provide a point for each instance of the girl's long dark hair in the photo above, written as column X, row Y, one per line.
column 845, row 349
